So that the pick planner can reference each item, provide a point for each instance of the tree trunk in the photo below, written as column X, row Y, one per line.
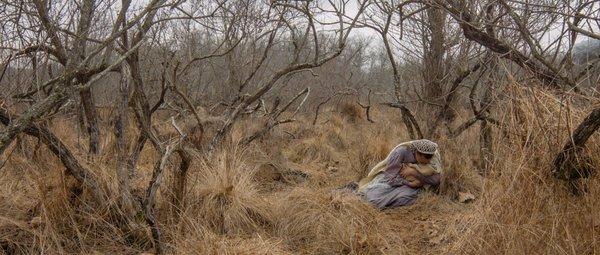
column 24, row 121
column 142, row 111
column 412, row 127
column 433, row 64
column 72, row 165
column 446, row 114
column 91, row 116
column 140, row 102
column 485, row 147
column 570, row 164
column 135, row 153
column 150, row 201
column 465, row 19
column 123, row 174
column 485, row 131
column 180, row 180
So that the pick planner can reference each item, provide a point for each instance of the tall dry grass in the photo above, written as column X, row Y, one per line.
column 522, row 209
column 278, row 195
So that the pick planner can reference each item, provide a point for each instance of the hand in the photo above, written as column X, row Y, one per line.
column 408, row 171
column 415, row 184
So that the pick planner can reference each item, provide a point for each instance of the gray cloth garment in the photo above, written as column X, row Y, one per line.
column 400, row 156
column 380, row 193
column 388, row 189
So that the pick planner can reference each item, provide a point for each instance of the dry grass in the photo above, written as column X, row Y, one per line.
column 226, row 198
column 202, row 241
column 330, row 222
column 278, row 195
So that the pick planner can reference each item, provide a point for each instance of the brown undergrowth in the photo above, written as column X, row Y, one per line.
column 279, row 195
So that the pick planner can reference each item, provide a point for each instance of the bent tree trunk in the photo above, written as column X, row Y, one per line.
column 72, row 165
column 465, row 20
column 16, row 126
column 570, row 163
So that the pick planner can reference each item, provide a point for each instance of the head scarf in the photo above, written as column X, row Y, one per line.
column 424, row 146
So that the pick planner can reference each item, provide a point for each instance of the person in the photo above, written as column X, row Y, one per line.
column 398, row 180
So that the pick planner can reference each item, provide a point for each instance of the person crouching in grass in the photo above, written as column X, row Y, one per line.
column 398, row 180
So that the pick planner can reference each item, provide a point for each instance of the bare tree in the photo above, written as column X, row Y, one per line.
column 320, row 57
column 75, row 51
column 380, row 20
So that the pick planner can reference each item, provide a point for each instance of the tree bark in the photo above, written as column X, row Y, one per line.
column 18, row 125
column 485, row 130
column 570, row 164
column 140, row 101
column 135, row 153
column 58, row 148
column 91, row 117
column 142, row 111
column 485, row 133
column 123, row 174
column 414, row 131
column 465, row 19
column 157, row 176
column 433, row 63
column 180, row 179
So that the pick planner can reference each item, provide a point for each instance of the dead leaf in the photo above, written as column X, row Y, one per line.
column 596, row 222
column 437, row 240
column 465, row 197
column 36, row 222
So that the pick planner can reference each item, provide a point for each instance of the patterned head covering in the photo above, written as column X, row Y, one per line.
column 425, row 146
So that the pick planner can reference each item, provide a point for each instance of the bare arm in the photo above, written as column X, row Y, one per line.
column 433, row 180
column 415, row 184
column 407, row 177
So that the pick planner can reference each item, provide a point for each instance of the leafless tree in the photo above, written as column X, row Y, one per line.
column 305, row 10
column 202, row 66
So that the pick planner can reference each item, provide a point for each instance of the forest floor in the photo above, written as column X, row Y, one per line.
column 279, row 195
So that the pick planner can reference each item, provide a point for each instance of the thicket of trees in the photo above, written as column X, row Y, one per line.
column 228, row 60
